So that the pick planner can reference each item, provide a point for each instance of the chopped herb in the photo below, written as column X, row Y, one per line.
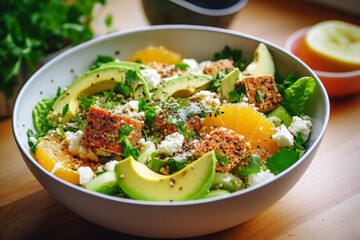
column 233, row 54
column 65, row 109
column 222, row 160
column 252, row 166
column 86, row 102
column 259, row 96
column 125, row 130
column 156, row 137
column 281, row 160
column 30, row 134
column 149, row 112
column 182, row 66
column 109, row 138
column 101, row 60
column 122, row 89
column 130, row 78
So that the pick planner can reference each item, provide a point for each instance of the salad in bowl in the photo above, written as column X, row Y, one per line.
column 162, row 128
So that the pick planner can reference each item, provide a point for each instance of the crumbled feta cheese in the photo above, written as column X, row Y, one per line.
column 302, row 126
column 283, row 137
column 85, row 174
column 110, row 166
column 245, row 99
column 181, row 158
column 100, row 168
column 259, row 177
column 171, row 144
column 73, row 140
column 207, row 99
column 146, row 148
column 131, row 109
column 194, row 66
column 151, row 76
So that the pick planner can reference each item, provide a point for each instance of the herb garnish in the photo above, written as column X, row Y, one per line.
column 222, row 160
column 259, row 96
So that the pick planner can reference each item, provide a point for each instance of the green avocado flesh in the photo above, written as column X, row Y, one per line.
column 191, row 182
column 262, row 63
column 228, row 83
column 183, row 86
column 281, row 113
column 105, row 183
column 124, row 64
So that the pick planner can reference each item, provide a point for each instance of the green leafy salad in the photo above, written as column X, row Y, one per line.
column 174, row 130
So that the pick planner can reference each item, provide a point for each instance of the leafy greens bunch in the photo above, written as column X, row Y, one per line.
column 30, row 29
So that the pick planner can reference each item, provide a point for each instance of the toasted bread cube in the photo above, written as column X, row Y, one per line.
column 221, row 65
column 227, row 143
column 102, row 130
column 267, row 86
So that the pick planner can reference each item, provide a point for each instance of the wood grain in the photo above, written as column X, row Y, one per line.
column 324, row 204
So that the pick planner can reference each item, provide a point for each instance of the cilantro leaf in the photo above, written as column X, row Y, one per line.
column 282, row 160
column 182, row 66
column 65, row 109
column 100, row 60
column 222, row 160
column 125, row 130
column 123, row 89
column 252, row 166
column 149, row 112
column 33, row 145
column 233, row 54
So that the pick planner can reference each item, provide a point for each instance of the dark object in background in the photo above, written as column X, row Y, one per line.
column 218, row 13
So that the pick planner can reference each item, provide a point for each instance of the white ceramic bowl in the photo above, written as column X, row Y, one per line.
column 164, row 219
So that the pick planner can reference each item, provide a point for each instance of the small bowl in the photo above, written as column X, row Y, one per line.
column 337, row 84
column 210, row 12
column 165, row 219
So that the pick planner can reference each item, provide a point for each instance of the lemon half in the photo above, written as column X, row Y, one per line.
column 332, row 46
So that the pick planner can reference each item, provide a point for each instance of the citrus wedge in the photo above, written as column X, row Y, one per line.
column 332, row 46
column 156, row 54
column 254, row 126
column 52, row 156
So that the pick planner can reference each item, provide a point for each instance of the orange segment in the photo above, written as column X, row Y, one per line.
column 52, row 156
column 246, row 121
column 156, row 54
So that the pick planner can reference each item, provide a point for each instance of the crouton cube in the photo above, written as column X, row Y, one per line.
column 102, row 130
column 262, row 92
column 227, row 143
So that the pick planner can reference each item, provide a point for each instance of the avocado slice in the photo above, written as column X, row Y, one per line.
column 228, row 83
column 191, row 182
column 281, row 113
column 130, row 65
column 105, row 183
column 95, row 81
column 262, row 63
column 182, row 86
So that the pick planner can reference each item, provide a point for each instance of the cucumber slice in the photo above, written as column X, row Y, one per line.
column 105, row 183
column 281, row 113
column 216, row 193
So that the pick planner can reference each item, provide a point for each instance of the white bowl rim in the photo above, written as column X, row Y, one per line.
column 299, row 33
column 169, row 203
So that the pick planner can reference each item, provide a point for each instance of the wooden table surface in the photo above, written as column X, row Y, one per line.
column 324, row 204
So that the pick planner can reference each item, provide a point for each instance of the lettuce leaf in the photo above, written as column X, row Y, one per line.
column 296, row 95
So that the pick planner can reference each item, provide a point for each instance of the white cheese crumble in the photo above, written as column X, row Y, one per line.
column 302, row 126
column 73, row 140
column 131, row 109
column 207, row 99
column 171, row 144
column 193, row 66
column 259, row 177
column 85, row 174
column 283, row 137
column 33, row 140
column 110, row 166
column 151, row 76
